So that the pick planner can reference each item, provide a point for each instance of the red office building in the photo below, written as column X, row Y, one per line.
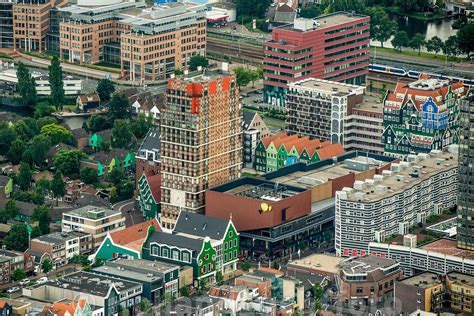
column 333, row 47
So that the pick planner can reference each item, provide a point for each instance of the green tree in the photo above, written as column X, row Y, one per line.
column 97, row 123
column 17, row 238
column 400, row 39
column 105, row 88
column 11, row 210
column 121, row 134
column 57, row 186
column 178, row 72
column 42, row 110
column 381, row 26
column 43, row 121
column 37, row 150
column 434, row 44
column 451, row 46
column 118, row 108
column 184, row 291
column 245, row 265
column 252, row 8
column 42, row 215
column 254, row 76
column 417, row 42
column 57, row 134
column 197, row 61
column 88, row 175
column 145, row 306
column 7, row 136
column 311, row 11
column 243, row 76
column 56, row 83
column 115, row 176
column 26, row 128
column 18, row 274
column 24, row 177
column 141, row 125
column 26, row 85
column 68, row 161
column 16, row 150
column 466, row 39
column 46, row 265
column 219, row 278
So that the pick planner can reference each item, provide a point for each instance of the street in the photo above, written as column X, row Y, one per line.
column 127, row 208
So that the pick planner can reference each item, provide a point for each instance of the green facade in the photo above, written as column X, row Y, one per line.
column 231, row 245
column 108, row 250
column 96, row 141
column 146, row 202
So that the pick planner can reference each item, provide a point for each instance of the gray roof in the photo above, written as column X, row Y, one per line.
column 175, row 240
column 152, row 141
column 59, row 237
column 248, row 117
column 366, row 264
column 201, row 225
column 35, row 254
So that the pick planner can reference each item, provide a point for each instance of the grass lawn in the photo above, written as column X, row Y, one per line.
column 412, row 53
column 5, row 56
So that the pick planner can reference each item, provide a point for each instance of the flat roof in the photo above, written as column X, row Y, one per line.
column 404, row 176
column 129, row 274
column 60, row 237
column 156, row 266
column 448, row 247
column 325, row 21
column 461, row 278
column 361, row 265
column 423, row 280
column 318, row 261
column 90, row 283
column 87, row 210
column 331, row 87
column 370, row 103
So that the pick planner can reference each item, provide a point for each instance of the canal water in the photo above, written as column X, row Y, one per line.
column 441, row 28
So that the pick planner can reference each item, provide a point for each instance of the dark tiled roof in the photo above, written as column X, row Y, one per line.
column 152, row 141
column 4, row 180
column 56, row 148
column 79, row 133
column 25, row 208
column 248, row 117
column 201, row 225
column 175, row 240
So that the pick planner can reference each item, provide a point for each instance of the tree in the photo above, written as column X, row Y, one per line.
column 37, row 150
column 97, row 123
column 17, row 238
column 145, row 306
column 121, row 134
column 26, row 128
column 311, row 11
column 417, row 42
column 46, row 265
column 43, row 121
column 16, row 151
column 184, row 291
column 243, row 76
column 56, row 83
column 118, row 108
column 105, row 88
column 88, row 175
column 198, row 61
column 26, row 85
column 42, row 110
column 11, row 210
column 254, row 76
column 24, row 176
column 141, row 125
column 18, row 274
column 466, row 39
column 245, row 266
column 381, row 26
column 115, row 176
column 178, row 72
column 7, row 136
column 451, row 46
column 41, row 214
column 68, row 161
column 434, row 44
column 57, row 134
column 57, row 186
column 219, row 278
column 400, row 39
column 252, row 8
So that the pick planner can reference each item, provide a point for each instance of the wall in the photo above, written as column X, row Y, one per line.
column 321, row 192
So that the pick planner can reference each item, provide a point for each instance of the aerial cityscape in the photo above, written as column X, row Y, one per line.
column 237, row 157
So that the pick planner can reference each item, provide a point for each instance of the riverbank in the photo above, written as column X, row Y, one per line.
column 376, row 50
column 423, row 16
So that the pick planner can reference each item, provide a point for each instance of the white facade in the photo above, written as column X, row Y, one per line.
column 393, row 202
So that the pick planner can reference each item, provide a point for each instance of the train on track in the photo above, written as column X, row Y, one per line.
column 413, row 73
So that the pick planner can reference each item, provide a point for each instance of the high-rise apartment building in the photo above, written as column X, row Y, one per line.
column 201, row 140
column 147, row 42
column 465, row 229
column 395, row 200
column 422, row 116
column 332, row 47
column 31, row 20
column 6, row 23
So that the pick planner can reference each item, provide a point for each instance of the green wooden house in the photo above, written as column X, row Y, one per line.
column 149, row 195
column 99, row 139
column 104, row 162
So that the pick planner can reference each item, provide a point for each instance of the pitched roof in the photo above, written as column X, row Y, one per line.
column 105, row 134
column 133, row 233
column 248, row 118
column 85, row 98
column 79, row 133
column 53, row 150
column 152, row 140
column 176, row 240
column 154, row 182
column 330, row 151
column 25, row 208
column 200, row 225
column 42, row 175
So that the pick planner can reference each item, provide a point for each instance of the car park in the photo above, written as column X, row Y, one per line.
column 13, row 289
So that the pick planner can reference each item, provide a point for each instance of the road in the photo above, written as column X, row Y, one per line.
column 127, row 208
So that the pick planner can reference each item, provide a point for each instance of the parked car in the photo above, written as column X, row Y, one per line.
column 245, row 95
column 13, row 289
column 42, row 280
column 24, row 282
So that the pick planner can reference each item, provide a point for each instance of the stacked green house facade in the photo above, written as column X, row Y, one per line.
column 104, row 162
column 99, row 140
column 208, row 244
column 149, row 195
column 422, row 116
column 280, row 150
